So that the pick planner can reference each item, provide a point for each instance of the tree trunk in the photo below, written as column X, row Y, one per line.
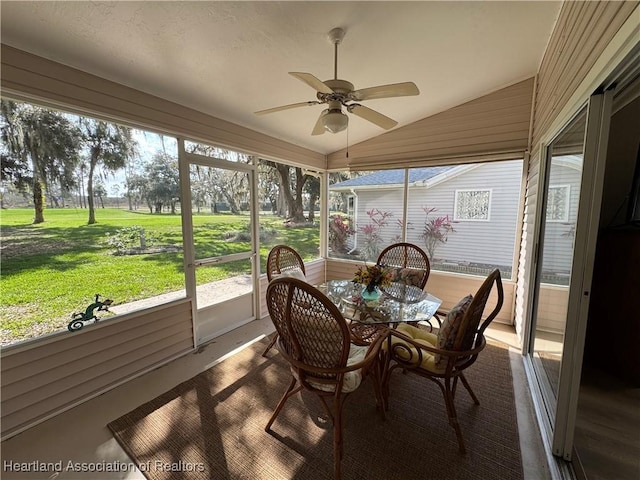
column 38, row 202
column 312, row 208
column 92, row 213
column 294, row 204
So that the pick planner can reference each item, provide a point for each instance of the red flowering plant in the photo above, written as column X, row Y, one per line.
column 435, row 231
column 372, row 276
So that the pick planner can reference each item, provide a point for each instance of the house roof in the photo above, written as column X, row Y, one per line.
column 392, row 177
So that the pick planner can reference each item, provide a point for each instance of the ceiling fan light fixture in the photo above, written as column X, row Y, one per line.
column 335, row 121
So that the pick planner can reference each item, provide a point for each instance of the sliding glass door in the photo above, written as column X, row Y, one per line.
column 568, row 221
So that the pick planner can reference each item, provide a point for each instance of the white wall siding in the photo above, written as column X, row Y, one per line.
column 559, row 236
column 583, row 31
column 47, row 376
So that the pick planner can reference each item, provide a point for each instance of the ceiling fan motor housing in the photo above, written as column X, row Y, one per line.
column 341, row 90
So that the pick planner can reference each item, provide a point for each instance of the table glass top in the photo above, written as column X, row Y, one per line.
column 397, row 303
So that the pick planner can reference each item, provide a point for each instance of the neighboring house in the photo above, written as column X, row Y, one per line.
column 480, row 200
column 562, row 213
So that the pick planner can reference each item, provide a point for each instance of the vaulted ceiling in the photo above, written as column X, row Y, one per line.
column 230, row 59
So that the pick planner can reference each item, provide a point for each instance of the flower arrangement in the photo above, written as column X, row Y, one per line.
column 372, row 276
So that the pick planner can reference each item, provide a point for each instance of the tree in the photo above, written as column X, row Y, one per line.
column 40, row 147
column 108, row 145
column 160, row 185
column 312, row 188
column 291, row 186
column 100, row 191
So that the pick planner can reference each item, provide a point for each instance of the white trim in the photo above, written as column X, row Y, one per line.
column 448, row 175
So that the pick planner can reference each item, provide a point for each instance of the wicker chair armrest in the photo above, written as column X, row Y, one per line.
column 449, row 354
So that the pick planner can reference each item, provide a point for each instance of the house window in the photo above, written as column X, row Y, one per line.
column 558, row 203
column 351, row 207
column 472, row 205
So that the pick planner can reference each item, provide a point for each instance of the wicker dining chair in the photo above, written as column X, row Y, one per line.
column 443, row 358
column 410, row 263
column 283, row 260
column 314, row 339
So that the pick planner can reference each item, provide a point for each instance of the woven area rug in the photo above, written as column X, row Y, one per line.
column 212, row 427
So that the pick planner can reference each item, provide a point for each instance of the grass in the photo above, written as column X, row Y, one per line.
column 52, row 270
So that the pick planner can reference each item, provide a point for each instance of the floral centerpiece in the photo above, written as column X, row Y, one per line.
column 372, row 277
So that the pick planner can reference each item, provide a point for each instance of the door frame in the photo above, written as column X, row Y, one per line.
column 559, row 424
column 185, row 160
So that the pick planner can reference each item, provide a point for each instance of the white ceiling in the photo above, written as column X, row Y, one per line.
column 230, row 59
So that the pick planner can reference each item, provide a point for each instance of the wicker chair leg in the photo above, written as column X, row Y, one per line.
column 468, row 387
column 451, row 412
column 271, row 344
column 288, row 393
column 378, row 388
column 337, row 439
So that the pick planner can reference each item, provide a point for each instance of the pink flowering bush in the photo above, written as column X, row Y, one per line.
column 436, row 230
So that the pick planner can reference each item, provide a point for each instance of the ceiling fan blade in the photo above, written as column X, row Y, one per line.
column 319, row 129
column 386, row 91
column 287, row 107
column 312, row 81
column 371, row 115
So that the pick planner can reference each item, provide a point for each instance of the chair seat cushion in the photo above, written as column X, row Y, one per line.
column 291, row 273
column 408, row 276
column 352, row 380
column 420, row 337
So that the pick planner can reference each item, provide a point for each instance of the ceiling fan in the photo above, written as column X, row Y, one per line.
column 337, row 93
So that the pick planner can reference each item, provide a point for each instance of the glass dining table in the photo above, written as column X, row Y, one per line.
column 397, row 303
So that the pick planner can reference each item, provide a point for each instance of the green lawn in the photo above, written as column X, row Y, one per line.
column 52, row 270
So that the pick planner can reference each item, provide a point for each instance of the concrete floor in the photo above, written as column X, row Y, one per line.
column 80, row 434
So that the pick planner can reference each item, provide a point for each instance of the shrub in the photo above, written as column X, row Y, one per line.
column 339, row 232
column 372, row 234
column 436, row 231
column 130, row 238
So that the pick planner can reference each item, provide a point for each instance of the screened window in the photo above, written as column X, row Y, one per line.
column 90, row 219
column 472, row 205
column 463, row 216
column 289, row 199
column 365, row 213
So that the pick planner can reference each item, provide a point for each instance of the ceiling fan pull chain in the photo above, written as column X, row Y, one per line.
column 347, row 140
